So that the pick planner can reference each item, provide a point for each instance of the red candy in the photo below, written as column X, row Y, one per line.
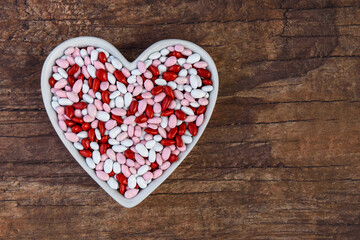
column 165, row 103
column 102, row 57
column 172, row 133
column 154, row 70
column 149, row 111
column 204, row 73
column 192, row 128
column 156, row 90
column 167, row 142
column 101, row 74
column 169, row 76
column 141, row 119
column 85, row 153
column 69, row 111
column 180, row 115
column 52, row 81
column 73, row 69
column 120, row 77
column 169, row 92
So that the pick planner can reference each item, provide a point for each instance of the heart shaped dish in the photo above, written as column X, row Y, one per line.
column 129, row 124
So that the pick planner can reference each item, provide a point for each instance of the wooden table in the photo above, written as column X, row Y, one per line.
column 280, row 158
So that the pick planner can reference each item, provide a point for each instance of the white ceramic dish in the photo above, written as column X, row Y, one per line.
column 97, row 42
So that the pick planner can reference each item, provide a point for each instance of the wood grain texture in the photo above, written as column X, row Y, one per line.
column 280, row 158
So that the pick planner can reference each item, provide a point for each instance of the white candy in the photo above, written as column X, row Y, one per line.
column 150, row 144
column 183, row 73
column 113, row 184
column 208, row 88
column 142, row 150
column 132, row 182
column 131, row 79
column 119, row 102
column 112, row 103
column 187, row 88
column 84, row 112
column 192, row 71
column 78, row 146
column 194, row 81
column 91, row 70
column 112, row 141
column 90, row 163
column 98, row 95
column 97, row 134
column 135, row 72
column 158, row 147
column 111, row 78
column 172, row 84
column 63, row 73
column 195, row 104
column 148, row 63
column 121, row 87
column 87, row 98
column 85, row 88
column 57, row 76
column 142, row 170
column 127, row 99
column 188, row 133
column 186, row 139
column 94, row 56
column 116, row 63
column 116, row 167
column 187, row 110
column 114, row 132
column 119, row 148
column 127, row 142
column 161, row 68
column 79, row 61
column 65, row 102
column 94, row 145
column 157, row 138
column 161, row 82
column 114, row 94
column 181, row 62
column 180, row 87
column 199, row 82
column 152, row 155
column 164, row 51
column 141, row 182
column 82, row 134
column 96, row 156
column 103, row 116
column 55, row 105
column 193, row 58
column 83, row 53
column 164, row 121
column 124, row 127
column 154, row 55
column 197, row 93
column 108, row 165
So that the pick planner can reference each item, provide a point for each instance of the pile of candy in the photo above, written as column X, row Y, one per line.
column 130, row 125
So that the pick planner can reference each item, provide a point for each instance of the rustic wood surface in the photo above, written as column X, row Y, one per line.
column 280, row 158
